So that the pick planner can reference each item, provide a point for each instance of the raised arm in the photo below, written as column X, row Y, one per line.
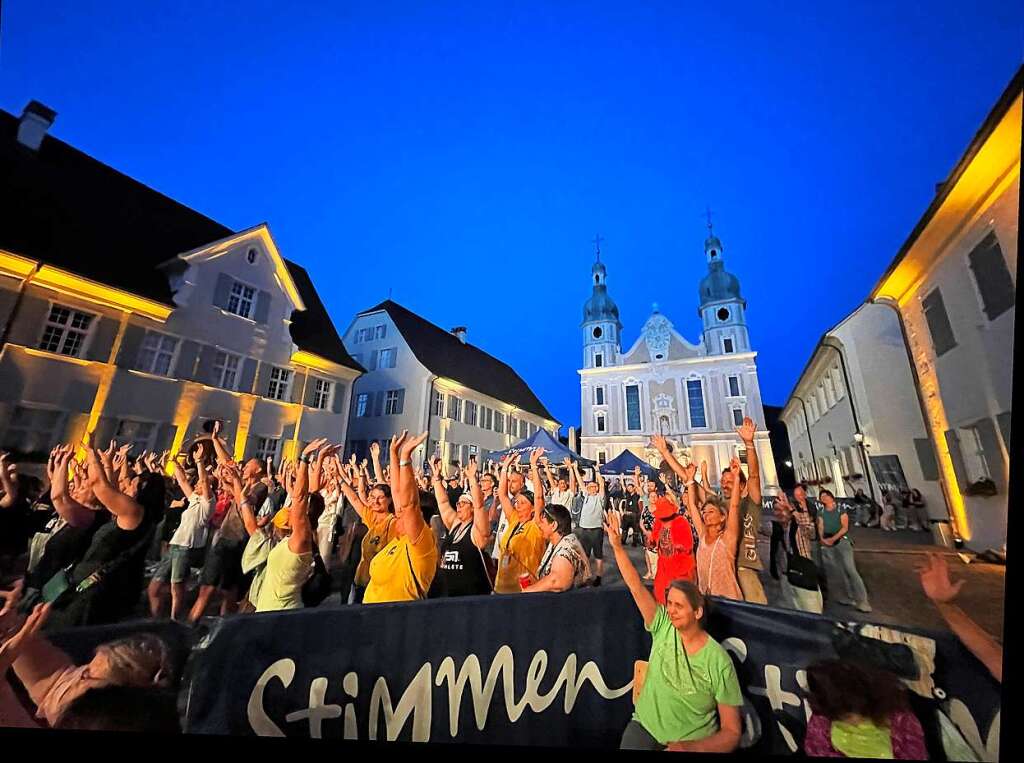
column 547, row 473
column 644, row 601
column 378, row 473
column 733, row 521
column 600, row 481
column 36, row 661
column 538, row 488
column 746, row 433
column 444, row 506
column 358, row 503
column 571, row 468
column 413, row 523
column 10, row 486
column 661, row 445
column 690, row 499
column 506, row 502
column 942, row 591
column 70, row 510
column 219, row 447
column 127, row 512
column 481, row 522
column 301, row 539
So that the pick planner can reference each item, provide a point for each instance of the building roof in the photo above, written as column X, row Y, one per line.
column 600, row 306
column 62, row 207
column 944, row 189
column 445, row 355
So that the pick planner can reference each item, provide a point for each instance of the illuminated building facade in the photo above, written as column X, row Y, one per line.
column 954, row 285
column 128, row 315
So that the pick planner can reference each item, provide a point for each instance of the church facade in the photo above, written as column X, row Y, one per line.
column 696, row 395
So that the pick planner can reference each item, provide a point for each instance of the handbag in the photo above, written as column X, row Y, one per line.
column 802, row 572
column 57, row 586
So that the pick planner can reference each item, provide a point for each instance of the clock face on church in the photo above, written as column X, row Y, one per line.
column 723, row 314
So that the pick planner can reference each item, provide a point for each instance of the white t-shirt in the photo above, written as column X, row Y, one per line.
column 502, row 526
column 560, row 497
column 194, row 521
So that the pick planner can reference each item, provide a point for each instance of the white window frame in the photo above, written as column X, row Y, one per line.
column 362, row 405
column 223, row 369
column 739, row 386
column 604, row 395
column 600, row 423
column 391, row 402
column 469, row 406
column 704, row 402
column 454, row 409
column 380, row 331
column 262, row 453
column 387, row 358
column 973, row 452
column 66, row 329
column 639, row 405
column 499, row 422
column 490, row 419
column 242, row 299
column 731, row 341
column 602, row 457
column 737, row 409
column 598, row 360
column 278, row 388
column 157, row 352
column 323, row 391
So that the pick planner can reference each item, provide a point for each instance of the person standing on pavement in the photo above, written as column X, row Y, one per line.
column 837, row 550
column 791, row 563
column 591, row 509
column 647, row 499
column 805, row 512
column 919, row 519
column 631, row 513
column 673, row 538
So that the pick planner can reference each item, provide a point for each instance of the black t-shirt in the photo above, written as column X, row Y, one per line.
column 632, row 503
column 462, row 564
column 15, row 528
column 67, row 546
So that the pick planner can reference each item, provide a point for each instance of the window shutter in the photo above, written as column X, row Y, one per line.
column 384, row 331
column 938, row 323
column 262, row 384
column 102, row 339
column 188, row 355
column 105, row 430
column 957, row 456
column 992, row 276
column 299, row 378
column 378, row 403
column 262, row 306
column 400, row 405
column 310, row 392
column 372, row 360
column 339, row 398
column 992, row 452
column 131, row 343
column 248, row 374
column 222, row 290
column 28, row 328
column 204, row 369
column 926, row 457
column 1004, row 427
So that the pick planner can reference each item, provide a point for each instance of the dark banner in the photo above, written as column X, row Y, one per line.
column 544, row 669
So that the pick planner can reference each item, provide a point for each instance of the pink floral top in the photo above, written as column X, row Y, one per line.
column 716, row 571
column 905, row 730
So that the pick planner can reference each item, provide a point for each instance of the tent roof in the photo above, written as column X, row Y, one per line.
column 625, row 462
column 553, row 449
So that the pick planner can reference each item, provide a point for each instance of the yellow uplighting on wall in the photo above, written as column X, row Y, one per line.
column 68, row 283
column 310, row 360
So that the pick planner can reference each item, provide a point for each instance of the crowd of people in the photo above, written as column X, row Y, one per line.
column 78, row 549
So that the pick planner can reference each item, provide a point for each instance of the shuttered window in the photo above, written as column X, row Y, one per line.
column 995, row 285
column 938, row 323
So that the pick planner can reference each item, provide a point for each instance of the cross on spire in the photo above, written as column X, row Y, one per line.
column 708, row 212
column 596, row 241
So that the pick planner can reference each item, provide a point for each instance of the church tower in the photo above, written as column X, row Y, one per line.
column 601, row 326
column 722, row 309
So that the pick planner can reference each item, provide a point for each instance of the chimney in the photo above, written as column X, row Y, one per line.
column 35, row 121
column 460, row 332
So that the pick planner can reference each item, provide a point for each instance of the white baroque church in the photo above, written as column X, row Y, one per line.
column 696, row 395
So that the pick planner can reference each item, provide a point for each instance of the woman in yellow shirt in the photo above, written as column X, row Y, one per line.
column 522, row 546
column 404, row 569
column 378, row 514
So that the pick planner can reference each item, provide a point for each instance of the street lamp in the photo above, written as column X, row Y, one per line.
column 789, row 464
column 858, row 437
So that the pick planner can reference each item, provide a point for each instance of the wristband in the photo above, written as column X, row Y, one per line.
column 306, row 459
column 404, row 463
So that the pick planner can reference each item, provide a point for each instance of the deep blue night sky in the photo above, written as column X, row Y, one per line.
column 464, row 154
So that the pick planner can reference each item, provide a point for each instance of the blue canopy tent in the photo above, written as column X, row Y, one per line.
column 554, row 451
column 624, row 464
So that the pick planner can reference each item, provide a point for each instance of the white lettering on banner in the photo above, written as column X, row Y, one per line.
column 961, row 715
column 317, row 711
column 416, row 700
column 503, row 664
column 284, row 671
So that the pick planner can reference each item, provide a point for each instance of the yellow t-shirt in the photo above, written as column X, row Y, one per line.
column 381, row 530
column 391, row 571
column 522, row 548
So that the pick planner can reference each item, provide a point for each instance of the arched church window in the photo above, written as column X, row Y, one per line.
column 597, row 332
column 597, row 280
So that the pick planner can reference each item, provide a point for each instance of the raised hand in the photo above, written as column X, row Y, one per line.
column 10, row 650
column 689, row 471
column 375, row 449
column 435, row 466
column 314, row 446
column 734, row 468
column 471, row 467
column 535, row 455
column 409, row 445
column 12, row 597
column 660, row 444
column 613, row 528
column 746, row 431
column 567, row 462
column 936, row 582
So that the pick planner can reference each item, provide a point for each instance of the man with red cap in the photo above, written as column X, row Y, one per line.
column 673, row 539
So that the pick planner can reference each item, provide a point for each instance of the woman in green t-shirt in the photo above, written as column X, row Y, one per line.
column 691, row 696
